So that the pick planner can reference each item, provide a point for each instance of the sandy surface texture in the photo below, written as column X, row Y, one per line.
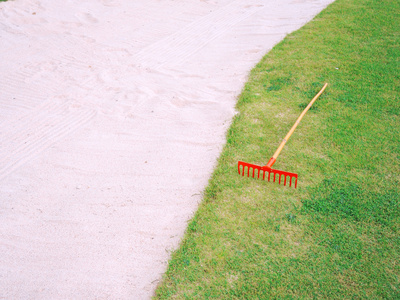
column 112, row 116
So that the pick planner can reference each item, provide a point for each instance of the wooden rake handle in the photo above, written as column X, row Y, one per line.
column 278, row 151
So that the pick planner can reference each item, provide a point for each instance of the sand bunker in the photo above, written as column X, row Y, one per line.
column 112, row 116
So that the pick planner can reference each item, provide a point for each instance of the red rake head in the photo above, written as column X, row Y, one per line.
column 256, row 171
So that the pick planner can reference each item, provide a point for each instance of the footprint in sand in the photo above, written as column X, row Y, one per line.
column 86, row 18
column 109, row 3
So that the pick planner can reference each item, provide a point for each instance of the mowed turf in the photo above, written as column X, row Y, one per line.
column 337, row 235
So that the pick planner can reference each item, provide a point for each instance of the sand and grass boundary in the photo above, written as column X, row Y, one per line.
column 337, row 235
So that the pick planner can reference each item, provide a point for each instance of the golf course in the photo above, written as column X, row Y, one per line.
column 127, row 129
column 337, row 235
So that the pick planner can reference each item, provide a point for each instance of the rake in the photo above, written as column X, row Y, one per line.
column 257, row 171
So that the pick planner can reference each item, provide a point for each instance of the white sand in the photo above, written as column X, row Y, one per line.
column 112, row 116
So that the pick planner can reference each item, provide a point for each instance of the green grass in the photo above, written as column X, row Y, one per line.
column 336, row 236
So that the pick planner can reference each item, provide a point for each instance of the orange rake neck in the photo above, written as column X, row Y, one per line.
column 271, row 161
